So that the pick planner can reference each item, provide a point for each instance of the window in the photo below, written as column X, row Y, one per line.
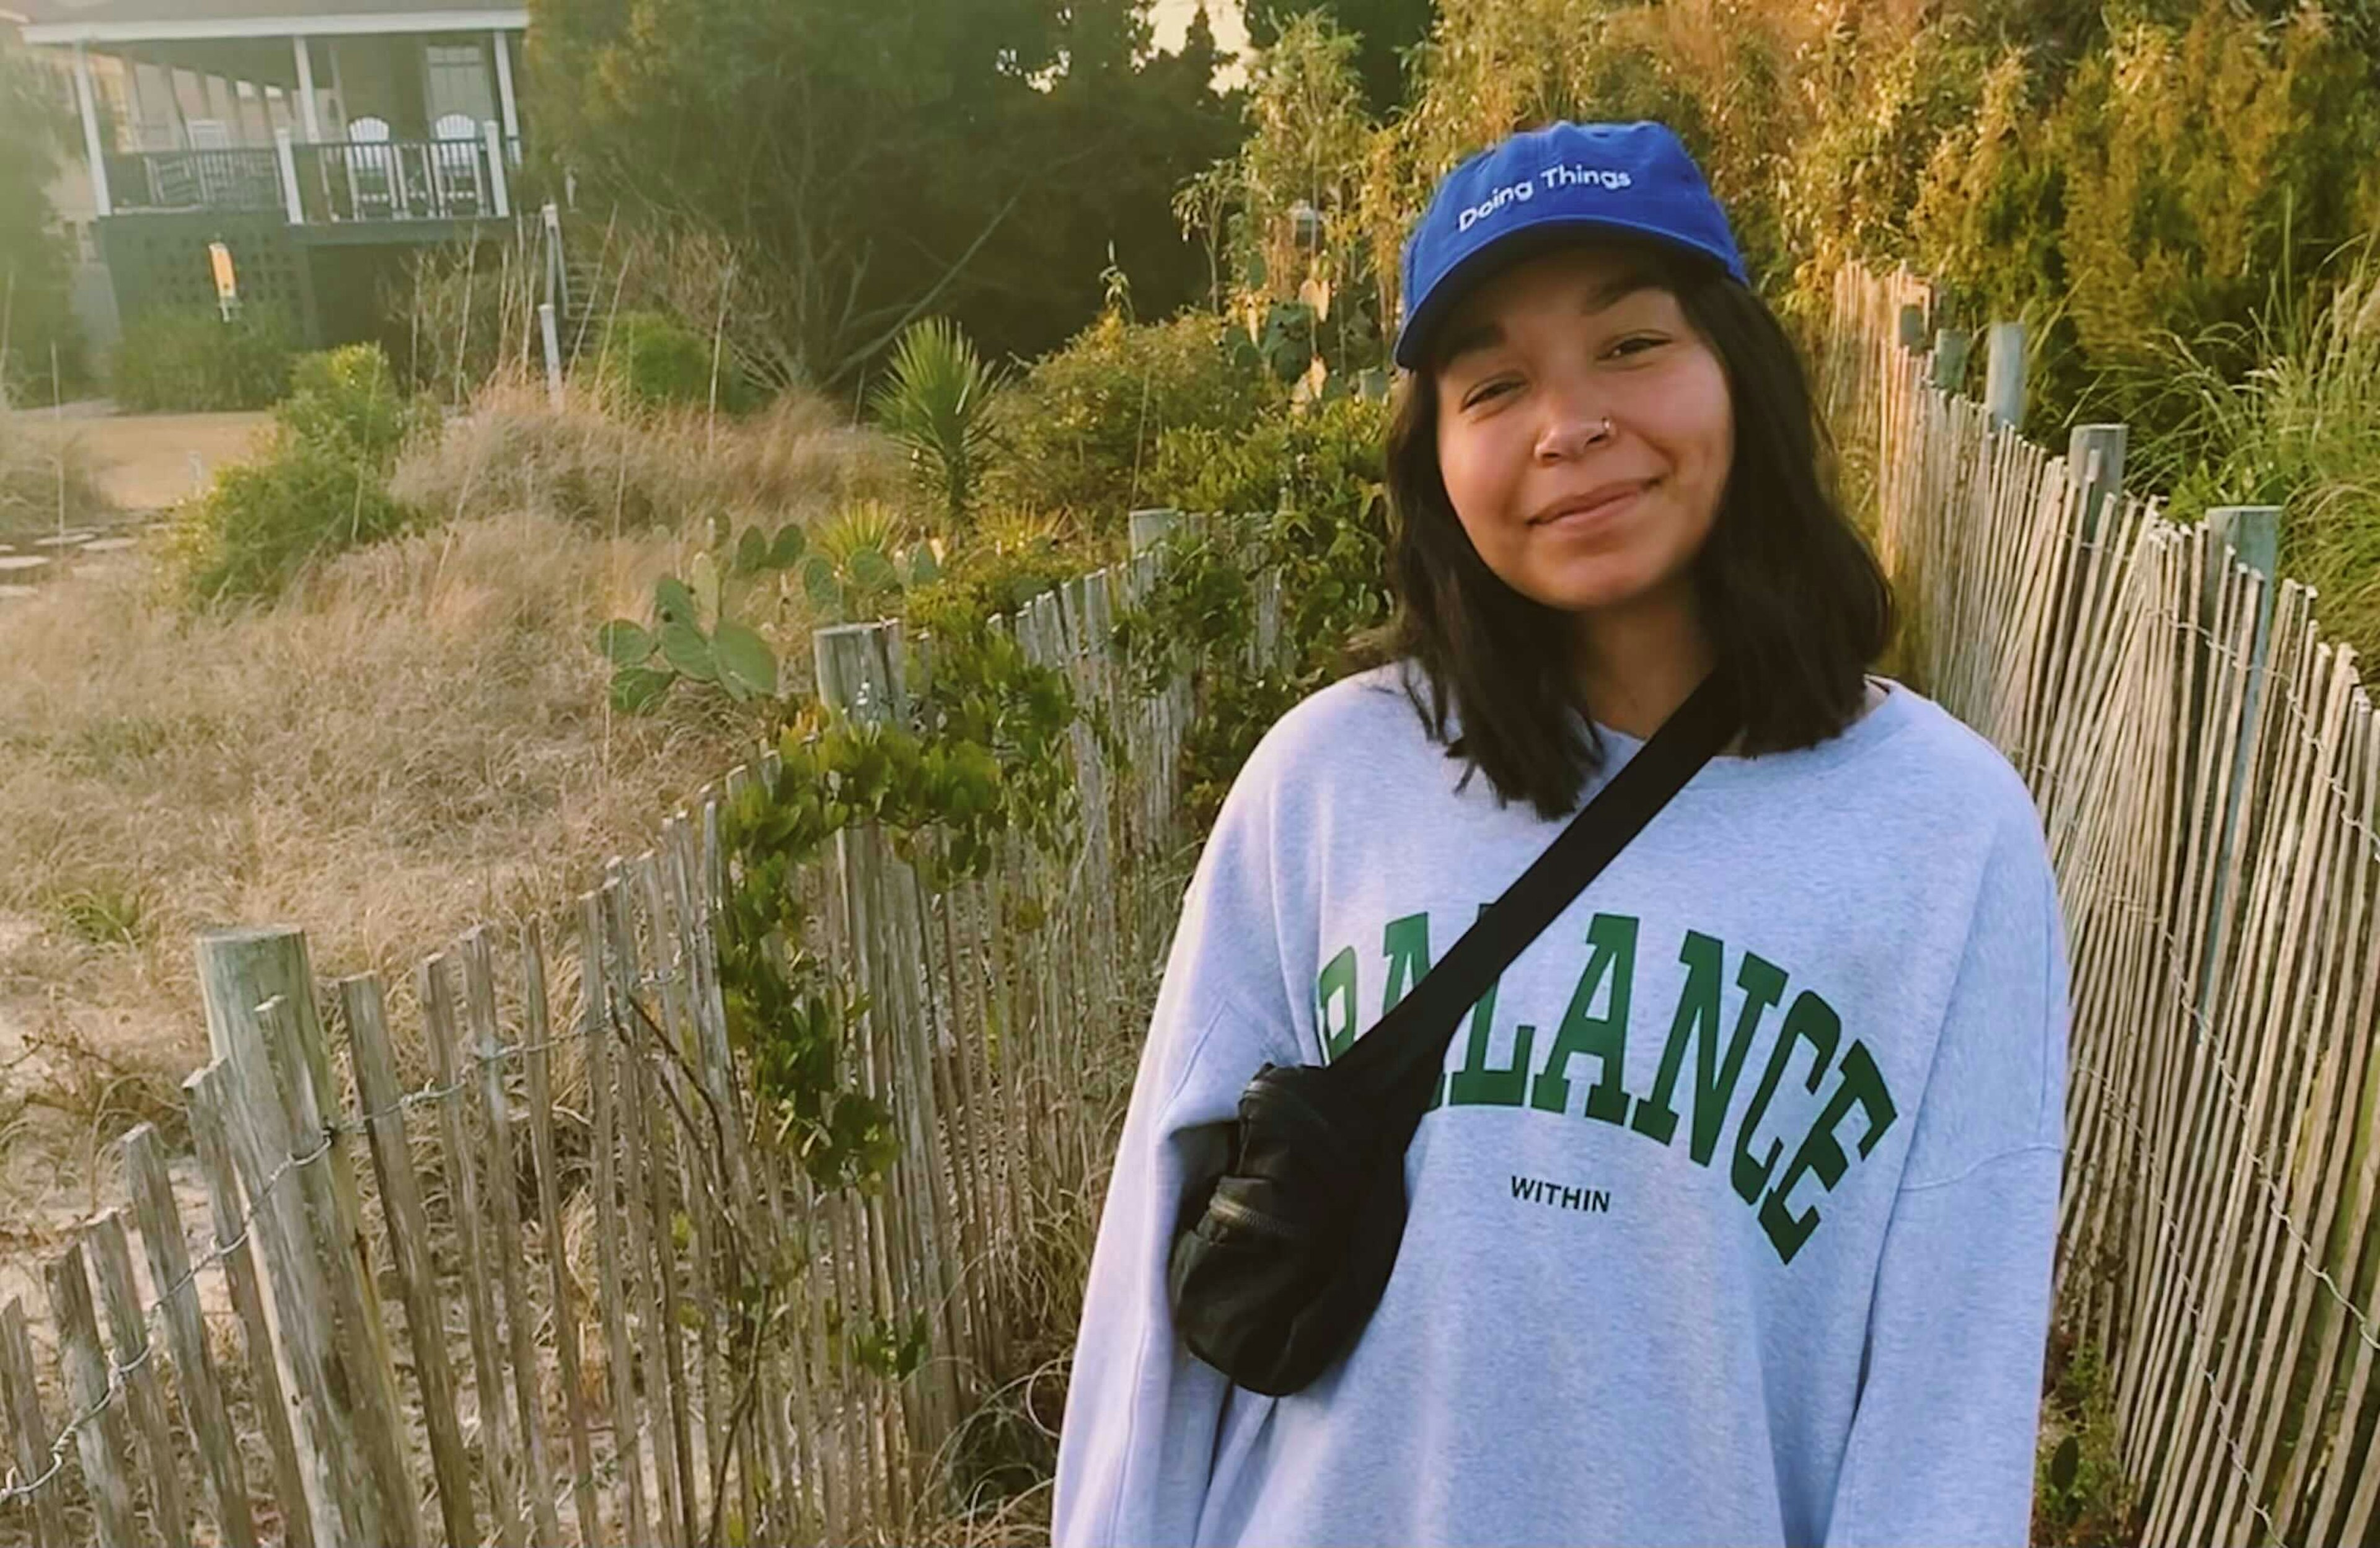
column 457, row 79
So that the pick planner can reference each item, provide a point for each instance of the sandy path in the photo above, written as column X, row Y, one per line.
column 144, row 459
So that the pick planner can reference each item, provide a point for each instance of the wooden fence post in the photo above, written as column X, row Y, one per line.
column 238, row 970
column 550, row 339
column 370, row 1400
column 2254, row 534
column 105, row 1443
column 169, row 1266
column 1913, row 327
column 1951, row 346
column 503, row 1193
column 231, row 1104
column 1150, row 526
column 231, row 1120
column 32, row 1428
column 111, row 1263
column 497, row 1455
column 2004, row 374
column 296, row 1465
column 2095, row 463
column 408, row 1245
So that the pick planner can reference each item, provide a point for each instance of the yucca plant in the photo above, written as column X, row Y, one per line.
column 934, row 405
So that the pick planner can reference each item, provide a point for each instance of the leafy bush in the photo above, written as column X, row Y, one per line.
column 35, row 257
column 1003, row 565
column 861, row 561
column 1079, row 433
column 1302, row 497
column 2080, row 1494
column 319, row 486
column 194, row 362
column 654, row 361
column 2100, row 206
column 250, row 533
column 350, row 397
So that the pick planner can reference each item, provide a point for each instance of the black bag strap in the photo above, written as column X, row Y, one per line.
column 1393, row 1067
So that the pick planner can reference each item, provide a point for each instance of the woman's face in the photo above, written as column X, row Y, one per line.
column 1535, row 360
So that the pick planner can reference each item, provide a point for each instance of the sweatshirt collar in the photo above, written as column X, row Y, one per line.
column 1874, row 726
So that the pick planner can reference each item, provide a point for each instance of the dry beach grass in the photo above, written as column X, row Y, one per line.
column 413, row 740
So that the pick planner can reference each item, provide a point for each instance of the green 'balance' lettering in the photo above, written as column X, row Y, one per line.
column 1604, row 1038
column 1697, row 1021
column 1610, row 975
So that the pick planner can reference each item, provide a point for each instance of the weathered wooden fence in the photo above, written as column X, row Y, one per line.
column 2208, row 770
column 516, row 1302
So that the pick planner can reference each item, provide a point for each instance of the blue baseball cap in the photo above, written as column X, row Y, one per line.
column 1542, row 187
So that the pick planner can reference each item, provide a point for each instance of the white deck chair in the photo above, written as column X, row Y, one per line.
column 375, row 187
column 455, row 161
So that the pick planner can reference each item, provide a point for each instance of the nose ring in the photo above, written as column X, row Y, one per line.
column 1602, row 431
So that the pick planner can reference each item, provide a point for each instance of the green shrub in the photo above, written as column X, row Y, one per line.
column 654, row 361
column 36, row 259
column 249, row 534
column 1310, row 491
column 1079, row 433
column 1000, row 565
column 194, row 362
column 351, row 397
column 2080, row 1494
column 320, row 484
column 2100, row 207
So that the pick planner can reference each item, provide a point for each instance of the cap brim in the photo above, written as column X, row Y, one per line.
column 1523, row 242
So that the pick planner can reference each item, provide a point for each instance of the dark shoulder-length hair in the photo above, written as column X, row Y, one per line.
column 1794, row 604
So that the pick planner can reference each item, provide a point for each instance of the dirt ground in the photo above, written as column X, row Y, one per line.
column 145, row 460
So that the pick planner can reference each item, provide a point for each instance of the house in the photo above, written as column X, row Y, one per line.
column 319, row 141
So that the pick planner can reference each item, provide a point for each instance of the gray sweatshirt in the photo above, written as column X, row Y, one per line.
column 1733, row 1220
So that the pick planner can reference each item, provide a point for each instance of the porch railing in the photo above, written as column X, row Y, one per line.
column 326, row 182
column 400, row 180
column 225, row 179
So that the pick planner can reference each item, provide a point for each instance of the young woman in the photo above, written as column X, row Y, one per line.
column 1734, row 1223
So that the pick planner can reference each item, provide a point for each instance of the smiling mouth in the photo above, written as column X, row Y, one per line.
column 1587, row 515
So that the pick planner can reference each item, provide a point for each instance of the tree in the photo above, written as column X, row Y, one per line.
column 34, row 313
column 882, row 160
column 1386, row 29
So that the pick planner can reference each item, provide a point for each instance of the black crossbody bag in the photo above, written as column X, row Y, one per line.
column 1279, row 1261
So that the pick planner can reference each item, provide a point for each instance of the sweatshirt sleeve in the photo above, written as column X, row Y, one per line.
column 1942, row 1440
column 1136, row 1444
